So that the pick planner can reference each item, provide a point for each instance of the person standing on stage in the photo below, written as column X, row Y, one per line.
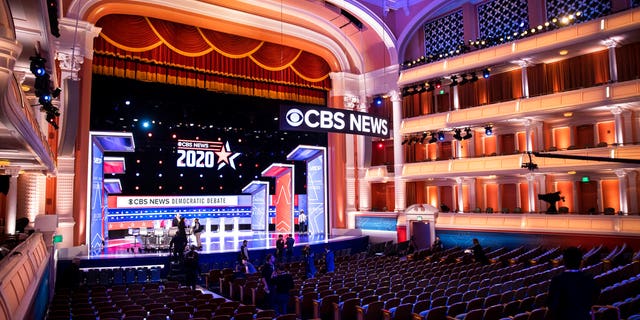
column 302, row 222
column 279, row 248
column 197, row 229
column 289, row 243
column 182, row 226
column 244, row 251
column 176, row 220
column 177, row 245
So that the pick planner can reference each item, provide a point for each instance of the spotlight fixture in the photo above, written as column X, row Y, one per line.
column 37, row 66
column 488, row 130
column 486, row 72
column 454, row 81
column 377, row 100
column 464, row 79
column 438, row 84
column 431, row 86
column 424, row 136
column 440, row 135
column 467, row 134
column 457, row 134
column 474, row 77
column 433, row 139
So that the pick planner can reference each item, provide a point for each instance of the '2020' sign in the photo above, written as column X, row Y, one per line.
column 204, row 154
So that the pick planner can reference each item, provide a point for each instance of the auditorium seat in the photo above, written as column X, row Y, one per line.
column 372, row 311
column 421, row 305
column 457, row 308
column 493, row 312
column 435, row 313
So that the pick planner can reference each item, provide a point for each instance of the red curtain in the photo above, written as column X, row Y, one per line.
column 569, row 74
column 154, row 50
column 628, row 61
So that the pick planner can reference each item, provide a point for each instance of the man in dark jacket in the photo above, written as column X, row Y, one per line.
column 573, row 292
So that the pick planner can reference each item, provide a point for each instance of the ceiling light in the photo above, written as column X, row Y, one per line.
column 568, row 114
column 563, row 52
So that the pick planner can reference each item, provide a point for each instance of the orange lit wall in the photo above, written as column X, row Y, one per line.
column 562, row 137
column 489, row 145
column 432, row 196
column 566, row 191
column 610, row 194
column 523, row 189
column 464, row 150
column 606, row 132
column 465, row 198
column 432, row 153
column 491, row 192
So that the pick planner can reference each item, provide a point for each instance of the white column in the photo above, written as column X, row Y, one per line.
column 622, row 185
column 527, row 133
column 531, row 184
column 398, row 160
column 460, row 199
column 363, row 147
column 613, row 68
column 617, row 117
column 458, row 149
column 12, row 200
column 456, row 98
column 525, row 80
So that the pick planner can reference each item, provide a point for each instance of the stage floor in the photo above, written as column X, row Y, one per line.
column 212, row 242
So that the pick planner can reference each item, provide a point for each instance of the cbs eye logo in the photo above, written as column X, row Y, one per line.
column 294, row 117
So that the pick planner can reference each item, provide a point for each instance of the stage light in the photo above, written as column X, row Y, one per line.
column 438, row 84
column 474, row 77
column 488, row 130
column 424, row 136
column 37, row 66
column 486, row 73
column 464, row 79
column 377, row 101
column 431, row 86
column 457, row 134
column 434, row 138
column 454, row 81
column 467, row 134
column 56, row 92
column 440, row 135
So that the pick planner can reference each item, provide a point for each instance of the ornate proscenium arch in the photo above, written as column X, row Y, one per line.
column 148, row 49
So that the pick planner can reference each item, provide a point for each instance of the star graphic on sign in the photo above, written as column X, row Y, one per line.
column 225, row 156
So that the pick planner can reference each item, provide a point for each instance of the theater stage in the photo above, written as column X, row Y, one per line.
column 219, row 249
